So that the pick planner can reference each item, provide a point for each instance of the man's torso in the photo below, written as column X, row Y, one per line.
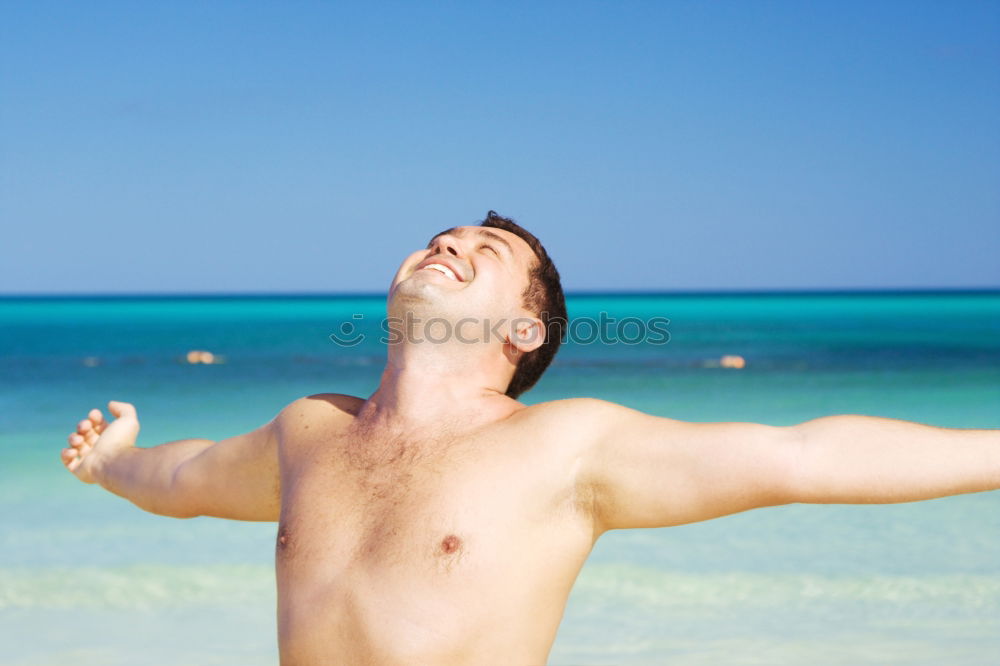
column 458, row 546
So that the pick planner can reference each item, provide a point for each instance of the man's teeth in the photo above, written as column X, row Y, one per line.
column 444, row 269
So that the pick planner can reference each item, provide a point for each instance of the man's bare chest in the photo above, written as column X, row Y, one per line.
column 427, row 505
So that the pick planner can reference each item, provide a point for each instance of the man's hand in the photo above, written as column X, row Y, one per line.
column 96, row 441
column 233, row 478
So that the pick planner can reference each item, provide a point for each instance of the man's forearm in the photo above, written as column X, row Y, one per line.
column 145, row 476
column 866, row 460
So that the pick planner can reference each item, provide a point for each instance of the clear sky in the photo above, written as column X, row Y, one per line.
column 309, row 146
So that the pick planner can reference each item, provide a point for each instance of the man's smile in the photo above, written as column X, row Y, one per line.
column 443, row 269
column 450, row 269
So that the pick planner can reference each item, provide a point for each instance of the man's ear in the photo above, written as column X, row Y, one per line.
column 526, row 334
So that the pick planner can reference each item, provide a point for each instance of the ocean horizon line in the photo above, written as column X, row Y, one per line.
column 583, row 293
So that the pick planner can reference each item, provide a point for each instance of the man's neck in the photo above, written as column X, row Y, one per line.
column 426, row 385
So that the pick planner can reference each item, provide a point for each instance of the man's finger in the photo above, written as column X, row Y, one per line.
column 97, row 420
column 121, row 409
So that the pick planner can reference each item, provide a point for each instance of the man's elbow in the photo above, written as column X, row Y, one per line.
column 825, row 470
column 171, row 507
column 180, row 498
column 794, row 479
column 175, row 512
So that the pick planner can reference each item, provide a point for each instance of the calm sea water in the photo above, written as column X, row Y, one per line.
column 86, row 578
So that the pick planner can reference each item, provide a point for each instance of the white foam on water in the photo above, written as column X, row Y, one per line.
column 135, row 587
column 633, row 615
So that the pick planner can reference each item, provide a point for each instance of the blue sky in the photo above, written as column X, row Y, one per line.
column 306, row 146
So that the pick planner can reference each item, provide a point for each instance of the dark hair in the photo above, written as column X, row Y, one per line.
column 544, row 298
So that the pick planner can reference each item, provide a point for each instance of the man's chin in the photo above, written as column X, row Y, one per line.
column 417, row 294
column 417, row 286
column 426, row 299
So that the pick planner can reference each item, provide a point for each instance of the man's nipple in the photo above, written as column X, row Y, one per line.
column 451, row 544
column 284, row 538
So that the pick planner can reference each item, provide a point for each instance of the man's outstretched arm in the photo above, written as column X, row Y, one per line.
column 233, row 478
column 647, row 471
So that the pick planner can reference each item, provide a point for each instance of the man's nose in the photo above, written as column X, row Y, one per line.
column 446, row 243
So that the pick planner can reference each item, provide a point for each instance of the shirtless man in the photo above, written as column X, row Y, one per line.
column 441, row 521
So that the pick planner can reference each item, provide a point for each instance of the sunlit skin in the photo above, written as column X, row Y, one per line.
column 442, row 522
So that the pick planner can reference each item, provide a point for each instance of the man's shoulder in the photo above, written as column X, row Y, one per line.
column 587, row 419
column 584, row 407
column 320, row 406
column 580, row 415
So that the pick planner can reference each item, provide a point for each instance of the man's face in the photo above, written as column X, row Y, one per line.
column 466, row 271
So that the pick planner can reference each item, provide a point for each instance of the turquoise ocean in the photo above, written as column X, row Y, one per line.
column 88, row 579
